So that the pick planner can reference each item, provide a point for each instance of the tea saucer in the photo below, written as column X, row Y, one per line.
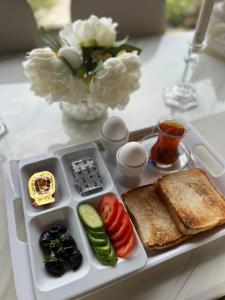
column 181, row 163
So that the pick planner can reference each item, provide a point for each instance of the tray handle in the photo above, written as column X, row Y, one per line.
column 19, row 252
column 194, row 140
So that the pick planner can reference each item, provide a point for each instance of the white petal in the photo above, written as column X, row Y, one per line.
column 72, row 55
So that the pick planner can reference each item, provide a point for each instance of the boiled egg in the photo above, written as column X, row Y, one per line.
column 114, row 129
column 132, row 154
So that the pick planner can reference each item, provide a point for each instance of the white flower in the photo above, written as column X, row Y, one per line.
column 132, row 64
column 73, row 55
column 90, row 32
column 116, row 80
column 51, row 78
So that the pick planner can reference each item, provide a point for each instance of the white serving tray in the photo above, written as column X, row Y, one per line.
column 16, row 174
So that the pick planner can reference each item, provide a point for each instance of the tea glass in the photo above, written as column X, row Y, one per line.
column 168, row 153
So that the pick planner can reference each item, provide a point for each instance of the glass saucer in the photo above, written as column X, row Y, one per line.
column 181, row 163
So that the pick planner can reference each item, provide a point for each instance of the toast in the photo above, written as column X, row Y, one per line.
column 193, row 202
column 154, row 225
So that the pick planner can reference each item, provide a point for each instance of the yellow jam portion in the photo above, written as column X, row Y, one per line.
column 41, row 187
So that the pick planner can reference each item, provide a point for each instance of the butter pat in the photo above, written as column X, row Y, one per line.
column 41, row 187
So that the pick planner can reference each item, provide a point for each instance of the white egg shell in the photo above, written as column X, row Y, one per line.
column 132, row 154
column 114, row 129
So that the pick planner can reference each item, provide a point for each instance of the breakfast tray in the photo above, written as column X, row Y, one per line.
column 24, row 253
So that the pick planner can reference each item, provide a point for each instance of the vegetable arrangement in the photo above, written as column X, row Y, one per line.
column 96, row 235
column 110, row 232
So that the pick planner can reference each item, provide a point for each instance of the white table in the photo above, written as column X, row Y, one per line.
column 35, row 127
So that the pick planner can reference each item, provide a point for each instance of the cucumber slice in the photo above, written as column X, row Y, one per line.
column 108, row 259
column 112, row 257
column 90, row 217
column 97, row 234
column 103, row 251
column 97, row 242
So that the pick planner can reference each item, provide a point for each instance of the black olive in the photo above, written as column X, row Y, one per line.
column 57, row 230
column 45, row 240
column 67, row 240
column 65, row 252
column 75, row 259
column 55, row 266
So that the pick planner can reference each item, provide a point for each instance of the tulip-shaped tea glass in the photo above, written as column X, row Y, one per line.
column 168, row 153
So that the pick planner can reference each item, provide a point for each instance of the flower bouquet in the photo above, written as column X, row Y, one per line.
column 87, row 68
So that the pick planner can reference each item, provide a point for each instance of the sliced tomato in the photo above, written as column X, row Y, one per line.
column 124, row 239
column 122, row 230
column 126, row 249
column 108, row 208
column 118, row 220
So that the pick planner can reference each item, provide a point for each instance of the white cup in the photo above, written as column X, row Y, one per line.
column 112, row 146
column 130, row 171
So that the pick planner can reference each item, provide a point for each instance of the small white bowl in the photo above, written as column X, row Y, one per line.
column 112, row 146
column 130, row 171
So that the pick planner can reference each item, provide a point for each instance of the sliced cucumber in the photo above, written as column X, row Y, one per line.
column 95, row 241
column 112, row 257
column 97, row 234
column 103, row 251
column 90, row 217
column 108, row 259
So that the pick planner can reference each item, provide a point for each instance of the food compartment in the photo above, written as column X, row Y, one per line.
column 137, row 251
column 43, row 281
column 84, row 154
column 52, row 165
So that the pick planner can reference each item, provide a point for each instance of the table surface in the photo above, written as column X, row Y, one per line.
column 34, row 127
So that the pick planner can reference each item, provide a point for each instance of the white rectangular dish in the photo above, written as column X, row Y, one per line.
column 91, row 275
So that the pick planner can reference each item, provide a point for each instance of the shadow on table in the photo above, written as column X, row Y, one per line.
column 80, row 132
column 211, row 70
column 149, row 46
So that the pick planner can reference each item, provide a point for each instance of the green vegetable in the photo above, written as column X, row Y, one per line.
column 96, row 235
column 90, row 217
column 96, row 241
column 103, row 250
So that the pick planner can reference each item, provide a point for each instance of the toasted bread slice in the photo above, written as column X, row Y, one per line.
column 194, row 203
column 151, row 218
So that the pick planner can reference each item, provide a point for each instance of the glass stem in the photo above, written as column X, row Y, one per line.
column 189, row 60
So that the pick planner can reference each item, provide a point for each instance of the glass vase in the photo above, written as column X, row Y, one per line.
column 84, row 111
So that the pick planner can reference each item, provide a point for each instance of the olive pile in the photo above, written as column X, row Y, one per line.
column 60, row 249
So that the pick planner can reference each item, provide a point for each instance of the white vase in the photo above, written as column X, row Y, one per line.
column 85, row 110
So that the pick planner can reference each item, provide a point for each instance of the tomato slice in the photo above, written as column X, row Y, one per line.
column 118, row 219
column 108, row 208
column 125, row 250
column 121, row 242
column 122, row 230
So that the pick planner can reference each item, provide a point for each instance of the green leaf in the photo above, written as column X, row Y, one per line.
column 49, row 40
column 126, row 47
column 121, row 42
column 80, row 72
column 130, row 48
column 65, row 61
column 98, row 67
